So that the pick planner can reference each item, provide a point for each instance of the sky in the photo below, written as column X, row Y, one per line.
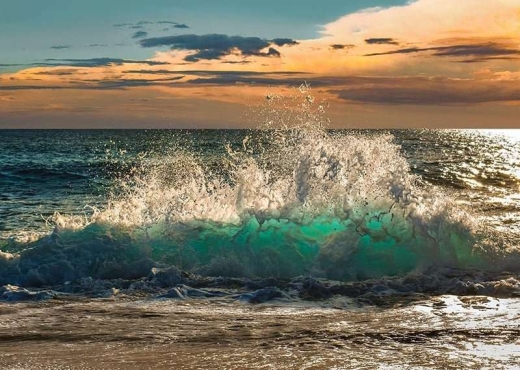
column 210, row 64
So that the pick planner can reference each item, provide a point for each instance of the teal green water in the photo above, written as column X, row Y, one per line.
column 324, row 246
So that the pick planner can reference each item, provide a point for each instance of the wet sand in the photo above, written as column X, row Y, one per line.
column 445, row 332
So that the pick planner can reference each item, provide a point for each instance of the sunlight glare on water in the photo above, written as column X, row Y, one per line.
column 512, row 134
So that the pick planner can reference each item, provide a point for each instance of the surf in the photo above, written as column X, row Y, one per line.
column 293, row 199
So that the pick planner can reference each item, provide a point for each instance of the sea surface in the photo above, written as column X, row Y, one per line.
column 300, row 248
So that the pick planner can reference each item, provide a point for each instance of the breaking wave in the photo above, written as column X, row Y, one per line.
column 294, row 199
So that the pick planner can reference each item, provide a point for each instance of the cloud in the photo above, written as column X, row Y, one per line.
column 272, row 52
column 381, row 41
column 174, row 24
column 84, row 80
column 96, row 62
column 214, row 73
column 427, row 91
column 342, row 46
column 141, row 24
column 31, row 87
column 236, row 62
column 230, row 80
column 409, row 28
column 206, row 54
column 58, row 72
column 486, row 59
column 418, row 26
column 60, row 47
column 481, row 52
column 399, row 51
column 121, row 84
column 216, row 46
column 284, row 42
column 94, row 84
column 2, row 65
column 474, row 50
column 389, row 91
column 140, row 35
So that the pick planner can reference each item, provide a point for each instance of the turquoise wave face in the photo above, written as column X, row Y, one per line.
column 384, row 244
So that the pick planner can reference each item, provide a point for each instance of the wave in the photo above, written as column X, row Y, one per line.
column 294, row 200
column 39, row 173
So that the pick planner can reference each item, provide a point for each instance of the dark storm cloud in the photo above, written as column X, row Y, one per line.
column 216, row 46
column 381, row 41
column 95, row 62
column 479, row 52
column 341, row 46
column 60, row 47
column 140, row 35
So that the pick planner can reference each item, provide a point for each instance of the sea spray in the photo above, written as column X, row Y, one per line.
column 292, row 199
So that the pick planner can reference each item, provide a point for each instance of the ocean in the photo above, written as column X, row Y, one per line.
column 294, row 248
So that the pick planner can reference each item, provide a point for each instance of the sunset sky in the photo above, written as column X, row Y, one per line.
column 207, row 64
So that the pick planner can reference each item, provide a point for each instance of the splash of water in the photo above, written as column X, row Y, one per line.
column 293, row 199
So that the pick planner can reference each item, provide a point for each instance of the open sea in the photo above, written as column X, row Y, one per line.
column 299, row 248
